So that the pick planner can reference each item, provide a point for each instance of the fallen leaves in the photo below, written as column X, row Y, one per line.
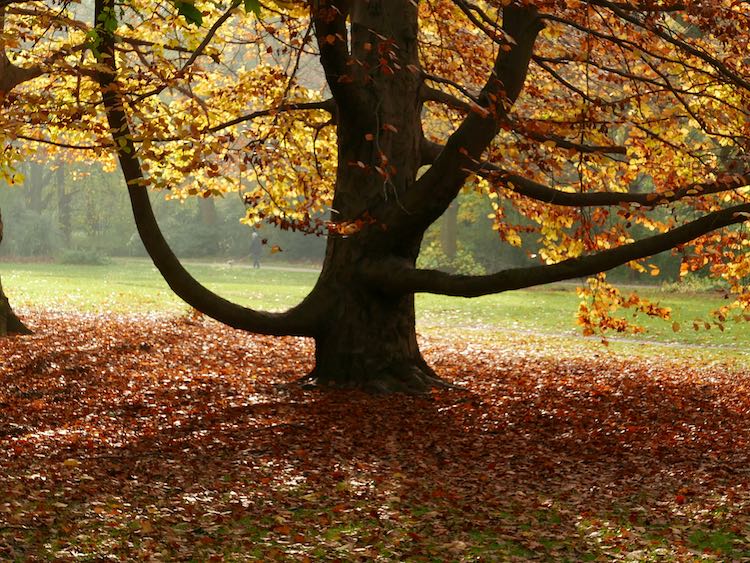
column 140, row 437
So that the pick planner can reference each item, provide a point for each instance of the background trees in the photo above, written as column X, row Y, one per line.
column 604, row 132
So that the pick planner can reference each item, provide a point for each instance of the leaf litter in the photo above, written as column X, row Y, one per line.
column 163, row 438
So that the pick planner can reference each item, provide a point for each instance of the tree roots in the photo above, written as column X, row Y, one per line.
column 410, row 379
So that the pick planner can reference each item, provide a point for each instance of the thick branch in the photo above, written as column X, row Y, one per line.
column 297, row 321
column 540, row 192
column 329, row 18
column 434, row 191
column 400, row 278
column 440, row 97
column 10, row 74
column 434, row 95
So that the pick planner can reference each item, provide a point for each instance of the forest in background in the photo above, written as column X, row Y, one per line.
column 79, row 213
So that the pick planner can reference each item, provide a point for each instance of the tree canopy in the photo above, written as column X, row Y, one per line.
column 614, row 130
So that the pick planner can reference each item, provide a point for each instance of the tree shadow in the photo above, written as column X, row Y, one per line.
column 540, row 458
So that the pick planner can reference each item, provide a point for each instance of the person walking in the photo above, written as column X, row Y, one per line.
column 256, row 246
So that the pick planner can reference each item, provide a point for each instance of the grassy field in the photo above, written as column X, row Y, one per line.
column 134, row 285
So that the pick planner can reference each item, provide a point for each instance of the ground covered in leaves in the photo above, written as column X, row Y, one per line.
column 158, row 438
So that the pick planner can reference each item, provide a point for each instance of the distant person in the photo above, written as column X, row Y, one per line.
column 256, row 246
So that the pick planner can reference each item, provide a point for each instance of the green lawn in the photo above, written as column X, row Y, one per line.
column 134, row 285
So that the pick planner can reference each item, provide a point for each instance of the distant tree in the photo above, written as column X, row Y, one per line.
column 9, row 322
column 589, row 117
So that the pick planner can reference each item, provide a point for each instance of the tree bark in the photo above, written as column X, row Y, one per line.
column 369, row 342
column 367, row 339
column 9, row 322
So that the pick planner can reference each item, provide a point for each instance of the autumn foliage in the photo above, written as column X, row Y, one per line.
column 136, row 437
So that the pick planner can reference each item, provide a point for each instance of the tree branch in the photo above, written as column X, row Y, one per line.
column 329, row 18
column 400, row 278
column 564, row 143
column 59, row 144
column 715, row 63
column 198, row 51
column 326, row 105
column 440, row 97
column 539, row 192
column 434, row 191
column 434, row 95
column 297, row 321
column 10, row 74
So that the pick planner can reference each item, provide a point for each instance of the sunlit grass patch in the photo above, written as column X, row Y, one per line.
column 134, row 285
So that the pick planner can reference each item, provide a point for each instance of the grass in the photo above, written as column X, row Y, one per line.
column 134, row 285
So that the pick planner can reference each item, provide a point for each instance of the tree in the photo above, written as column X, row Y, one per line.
column 10, row 77
column 9, row 322
column 590, row 117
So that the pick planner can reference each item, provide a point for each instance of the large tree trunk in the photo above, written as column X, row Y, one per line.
column 367, row 339
column 9, row 322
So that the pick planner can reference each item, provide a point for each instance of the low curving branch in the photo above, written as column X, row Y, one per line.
column 400, row 278
column 545, row 194
column 301, row 320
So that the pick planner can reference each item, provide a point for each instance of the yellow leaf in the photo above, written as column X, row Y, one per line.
column 71, row 462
